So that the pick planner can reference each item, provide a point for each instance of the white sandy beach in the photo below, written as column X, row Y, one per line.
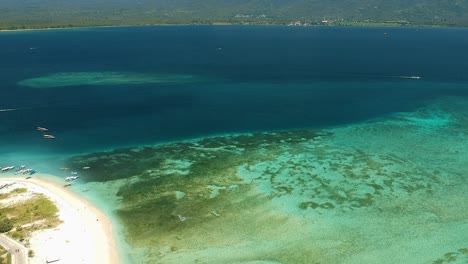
column 85, row 236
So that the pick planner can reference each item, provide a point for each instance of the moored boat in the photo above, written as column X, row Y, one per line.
column 71, row 178
column 9, row 168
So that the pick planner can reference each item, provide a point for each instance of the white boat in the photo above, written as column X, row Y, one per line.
column 23, row 171
column 71, row 178
column 9, row 168
column 49, row 137
column 42, row 129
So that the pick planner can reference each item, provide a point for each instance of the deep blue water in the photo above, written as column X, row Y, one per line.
column 265, row 78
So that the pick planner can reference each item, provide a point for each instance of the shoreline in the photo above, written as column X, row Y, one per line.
column 96, row 241
column 383, row 25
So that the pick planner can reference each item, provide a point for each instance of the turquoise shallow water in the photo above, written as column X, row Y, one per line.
column 283, row 146
column 385, row 190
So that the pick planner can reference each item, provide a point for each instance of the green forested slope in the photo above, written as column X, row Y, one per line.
column 60, row 13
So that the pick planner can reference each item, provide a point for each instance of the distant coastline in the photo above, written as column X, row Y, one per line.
column 67, row 28
column 88, row 13
column 226, row 24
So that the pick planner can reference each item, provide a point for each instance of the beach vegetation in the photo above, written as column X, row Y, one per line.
column 12, row 193
column 5, row 256
column 36, row 213
column 18, row 235
column 31, row 253
column 2, row 251
column 20, row 190
column 6, row 224
column 37, row 208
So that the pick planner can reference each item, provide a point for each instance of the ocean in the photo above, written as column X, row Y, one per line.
column 264, row 78
column 310, row 126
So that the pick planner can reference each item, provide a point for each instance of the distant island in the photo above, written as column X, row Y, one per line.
column 37, row 14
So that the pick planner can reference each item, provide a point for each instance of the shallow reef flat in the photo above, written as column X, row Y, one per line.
column 63, row 79
column 389, row 190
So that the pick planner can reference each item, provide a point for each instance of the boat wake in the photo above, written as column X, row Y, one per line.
column 408, row 77
column 8, row 109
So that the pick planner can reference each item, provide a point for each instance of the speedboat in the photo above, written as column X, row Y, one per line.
column 42, row 129
column 49, row 137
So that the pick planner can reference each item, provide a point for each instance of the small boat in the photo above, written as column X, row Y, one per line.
column 49, row 137
column 67, row 185
column 86, row 168
column 24, row 171
column 71, row 178
column 42, row 129
column 32, row 172
column 64, row 169
column 9, row 168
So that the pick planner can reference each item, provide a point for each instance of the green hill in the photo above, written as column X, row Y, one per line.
column 64, row 13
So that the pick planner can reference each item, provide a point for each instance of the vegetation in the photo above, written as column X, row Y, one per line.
column 5, row 225
column 72, row 13
column 5, row 257
column 15, row 191
column 2, row 251
column 22, row 218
